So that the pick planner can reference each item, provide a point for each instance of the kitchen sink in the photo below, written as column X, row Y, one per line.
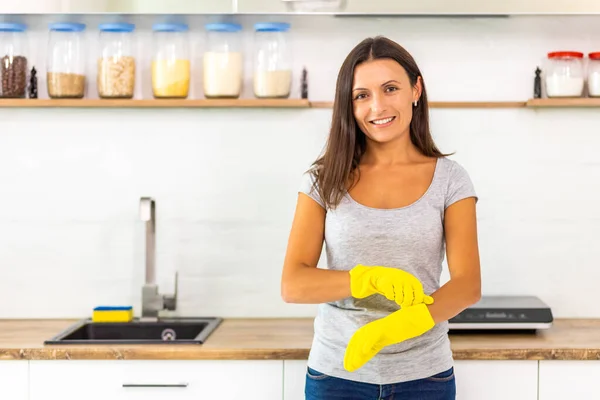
column 161, row 331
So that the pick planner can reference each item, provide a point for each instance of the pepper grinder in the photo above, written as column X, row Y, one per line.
column 304, row 86
column 537, row 84
column 33, row 86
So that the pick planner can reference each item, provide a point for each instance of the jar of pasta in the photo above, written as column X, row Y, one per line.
column 171, row 61
column 116, row 61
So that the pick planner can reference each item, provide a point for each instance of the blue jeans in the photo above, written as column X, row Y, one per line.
column 319, row 386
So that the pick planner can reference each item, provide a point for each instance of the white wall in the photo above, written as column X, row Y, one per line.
column 225, row 180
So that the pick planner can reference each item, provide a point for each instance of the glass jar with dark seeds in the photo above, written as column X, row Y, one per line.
column 13, row 61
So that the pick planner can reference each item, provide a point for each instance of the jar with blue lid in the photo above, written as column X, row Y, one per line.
column 13, row 69
column 272, row 61
column 171, row 61
column 223, row 61
column 66, row 72
column 116, row 61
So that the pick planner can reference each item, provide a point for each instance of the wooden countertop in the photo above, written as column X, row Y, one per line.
column 290, row 338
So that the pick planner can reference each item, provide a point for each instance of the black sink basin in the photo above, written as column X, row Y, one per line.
column 163, row 331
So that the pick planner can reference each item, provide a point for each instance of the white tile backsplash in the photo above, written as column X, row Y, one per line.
column 225, row 180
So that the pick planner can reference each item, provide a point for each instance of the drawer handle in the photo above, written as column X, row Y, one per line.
column 155, row 385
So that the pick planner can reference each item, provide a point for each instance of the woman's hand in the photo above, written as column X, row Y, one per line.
column 397, row 327
column 395, row 284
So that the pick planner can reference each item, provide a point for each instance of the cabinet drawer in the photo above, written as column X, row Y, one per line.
column 569, row 379
column 496, row 379
column 13, row 380
column 149, row 380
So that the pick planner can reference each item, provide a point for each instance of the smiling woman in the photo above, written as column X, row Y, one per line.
column 378, row 81
column 379, row 105
column 389, row 206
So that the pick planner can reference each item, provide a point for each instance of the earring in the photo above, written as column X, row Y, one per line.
column 415, row 103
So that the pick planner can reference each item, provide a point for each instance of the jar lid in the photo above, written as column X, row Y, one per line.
column 170, row 27
column 67, row 27
column 117, row 27
column 12, row 27
column 594, row 56
column 272, row 27
column 565, row 54
column 223, row 27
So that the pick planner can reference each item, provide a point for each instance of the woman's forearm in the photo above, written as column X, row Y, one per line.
column 310, row 285
column 452, row 298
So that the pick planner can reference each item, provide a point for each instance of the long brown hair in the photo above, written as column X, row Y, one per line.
column 347, row 143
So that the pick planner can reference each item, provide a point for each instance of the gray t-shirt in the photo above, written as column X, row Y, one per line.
column 410, row 238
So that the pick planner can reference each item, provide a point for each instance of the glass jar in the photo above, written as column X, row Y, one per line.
column 564, row 74
column 66, row 61
column 272, row 61
column 171, row 61
column 593, row 75
column 116, row 61
column 223, row 61
column 13, row 70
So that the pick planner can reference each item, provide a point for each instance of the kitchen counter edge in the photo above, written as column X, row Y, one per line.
column 290, row 339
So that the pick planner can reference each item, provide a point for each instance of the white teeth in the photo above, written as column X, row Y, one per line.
column 382, row 121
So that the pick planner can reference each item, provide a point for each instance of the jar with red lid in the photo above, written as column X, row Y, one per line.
column 593, row 74
column 565, row 75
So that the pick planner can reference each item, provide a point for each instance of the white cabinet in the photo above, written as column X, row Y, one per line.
column 475, row 380
column 54, row 6
column 116, row 6
column 496, row 380
column 555, row 6
column 294, row 378
column 270, row 379
column 472, row 6
column 155, row 380
column 438, row 6
column 561, row 380
column 14, row 380
column 179, row 6
column 31, row 6
column 261, row 6
column 426, row 7
column 287, row 6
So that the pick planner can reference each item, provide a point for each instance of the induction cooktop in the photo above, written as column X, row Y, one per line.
column 504, row 313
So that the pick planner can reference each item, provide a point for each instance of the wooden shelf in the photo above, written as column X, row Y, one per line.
column 447, row 104
column 476, row 104
column 321, row 104
column 157, row 103
column 277, row 103
column 564, row 102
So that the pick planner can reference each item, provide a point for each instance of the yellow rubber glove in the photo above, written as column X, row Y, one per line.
column 397, row 327
column 395, row 284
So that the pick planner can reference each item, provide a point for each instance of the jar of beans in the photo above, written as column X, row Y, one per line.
column 66, row 77
column 13, row 68
column 116, row 62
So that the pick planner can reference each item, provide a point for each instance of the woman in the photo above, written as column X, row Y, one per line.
column 388, row 204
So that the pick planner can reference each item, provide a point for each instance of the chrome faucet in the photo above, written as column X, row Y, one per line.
column 152, row 301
